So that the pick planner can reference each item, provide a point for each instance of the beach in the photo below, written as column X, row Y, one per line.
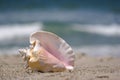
column 86, row 68
column 90, row 27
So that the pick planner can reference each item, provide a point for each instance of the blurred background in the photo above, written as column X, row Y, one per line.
column 89, row 26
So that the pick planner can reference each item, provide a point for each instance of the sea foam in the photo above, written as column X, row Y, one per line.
column 10, row 31
column 105, row 30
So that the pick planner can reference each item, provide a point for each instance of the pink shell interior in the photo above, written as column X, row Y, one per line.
column 52, row 44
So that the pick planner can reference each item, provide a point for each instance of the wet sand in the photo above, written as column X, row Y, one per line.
column 86, row 68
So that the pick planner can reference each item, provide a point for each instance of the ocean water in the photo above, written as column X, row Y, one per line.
column 91, row 27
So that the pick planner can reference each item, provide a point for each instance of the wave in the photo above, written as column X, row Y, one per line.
column 106, row 30
column 9, row 31
column 99, row 50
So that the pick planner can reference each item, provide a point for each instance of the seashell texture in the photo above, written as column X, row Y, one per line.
column 48, row 52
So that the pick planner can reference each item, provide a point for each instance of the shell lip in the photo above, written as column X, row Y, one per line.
column 32, row 40
column 70, row 68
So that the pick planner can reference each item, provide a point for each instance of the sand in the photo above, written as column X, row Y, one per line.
column 86, row 68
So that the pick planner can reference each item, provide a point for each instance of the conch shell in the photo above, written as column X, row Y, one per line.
column 48, row 53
